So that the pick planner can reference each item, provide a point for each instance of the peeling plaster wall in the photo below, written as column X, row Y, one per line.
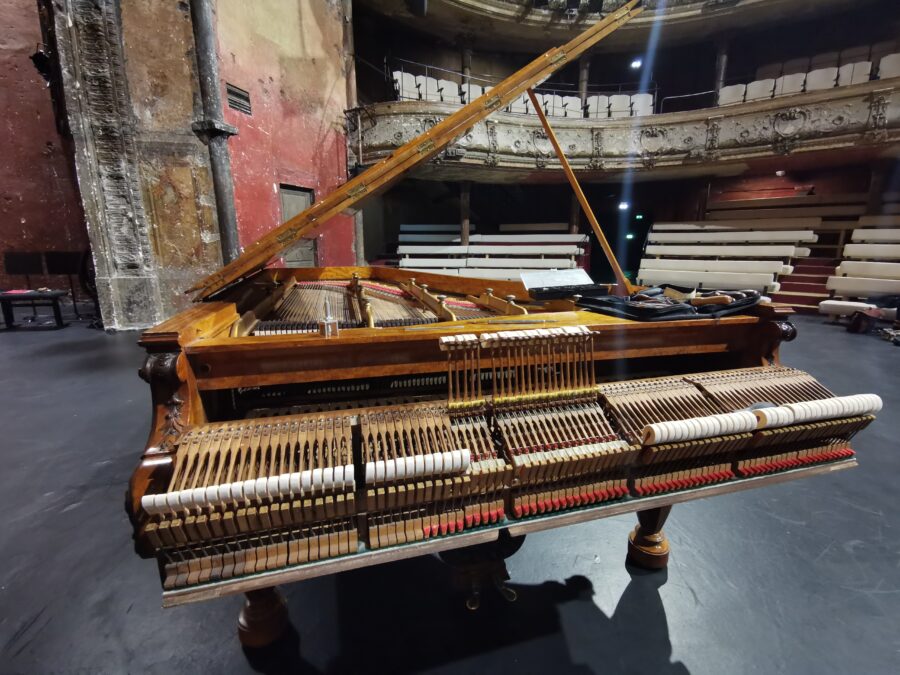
column 176, row 185
column 288, row 55
column 40, row 209
column 129, row 76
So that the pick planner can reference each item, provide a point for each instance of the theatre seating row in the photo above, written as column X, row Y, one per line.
column 426, row 88
column 818, row 79
column 492, row 256
column 871, row 267
column 834, row 59
column 726, row 255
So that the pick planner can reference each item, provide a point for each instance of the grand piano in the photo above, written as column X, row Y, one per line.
column 310, row 421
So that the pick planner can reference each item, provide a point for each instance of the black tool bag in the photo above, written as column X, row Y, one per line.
column 655, row 306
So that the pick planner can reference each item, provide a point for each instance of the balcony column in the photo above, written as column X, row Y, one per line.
column 721, row 63
column 584, row 70
column 465, row 190
column 466, row 65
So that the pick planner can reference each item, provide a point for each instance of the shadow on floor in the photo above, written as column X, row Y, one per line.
column 401, row 618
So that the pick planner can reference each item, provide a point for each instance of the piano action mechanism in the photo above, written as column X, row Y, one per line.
column 309, row 421
column 279, row 453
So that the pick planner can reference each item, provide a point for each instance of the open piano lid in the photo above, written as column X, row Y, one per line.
column 380, row 176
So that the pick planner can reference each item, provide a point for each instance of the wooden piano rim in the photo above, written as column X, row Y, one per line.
column 220, row 589
column 599, row 324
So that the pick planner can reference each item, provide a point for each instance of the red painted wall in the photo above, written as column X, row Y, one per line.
column 836, row 181
column 288, row 55
column 40, row 209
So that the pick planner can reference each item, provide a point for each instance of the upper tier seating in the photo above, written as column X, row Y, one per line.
column 732, row 94
column 790, row 84
column 854, row 65
column 854, row 73
column 759, row 90
column 496, row 256
column 822, row 78
column 889, row 66
column 882, row 49
column 449, row 91
column 728, row 255
column 598, row 106
column 405, row 85
column 620, row 105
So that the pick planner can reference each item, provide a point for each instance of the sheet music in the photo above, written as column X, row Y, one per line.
column 552, row 278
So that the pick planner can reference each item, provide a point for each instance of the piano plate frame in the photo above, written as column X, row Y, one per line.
column 219, row 589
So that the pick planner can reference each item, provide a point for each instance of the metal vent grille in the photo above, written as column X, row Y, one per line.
column 238, row 99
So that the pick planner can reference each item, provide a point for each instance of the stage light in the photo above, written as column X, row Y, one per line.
column 629, row 236
column 624, row 206
column 637, row 63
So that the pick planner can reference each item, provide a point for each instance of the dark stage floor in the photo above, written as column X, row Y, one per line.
column 797, row 578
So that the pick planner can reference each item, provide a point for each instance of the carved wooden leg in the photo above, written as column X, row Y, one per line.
column 263, row 618
column 648, row 547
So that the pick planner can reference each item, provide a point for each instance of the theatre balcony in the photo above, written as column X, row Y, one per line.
column 529, row 25
column 860, row 119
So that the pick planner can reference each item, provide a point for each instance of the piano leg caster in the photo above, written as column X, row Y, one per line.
column 505, row 591
column 263, row 618
column 482, row 566
column 648, row 547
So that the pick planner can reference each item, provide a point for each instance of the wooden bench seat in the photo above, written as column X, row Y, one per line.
column 524, row 249
column 709, row 280
column 525, row 263
column 410, row 228
column 686, row 264
column 534, row 227
column 728, row 251
column 871, row 236
column 774, row 236
column 740, row 224
column 879, row 221
column 872, row 270
column 419, row 238
column 513, row 263
column 432, row 262
column 528, row 238
column 862, row 287
column 872, row 251
column 450, row 249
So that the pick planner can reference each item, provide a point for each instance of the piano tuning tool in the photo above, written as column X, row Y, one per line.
column 518, row 428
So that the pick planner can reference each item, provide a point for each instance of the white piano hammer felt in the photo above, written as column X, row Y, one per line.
column 432, row 464
column 281, row 486
column 822, row 409
column 695, row 428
